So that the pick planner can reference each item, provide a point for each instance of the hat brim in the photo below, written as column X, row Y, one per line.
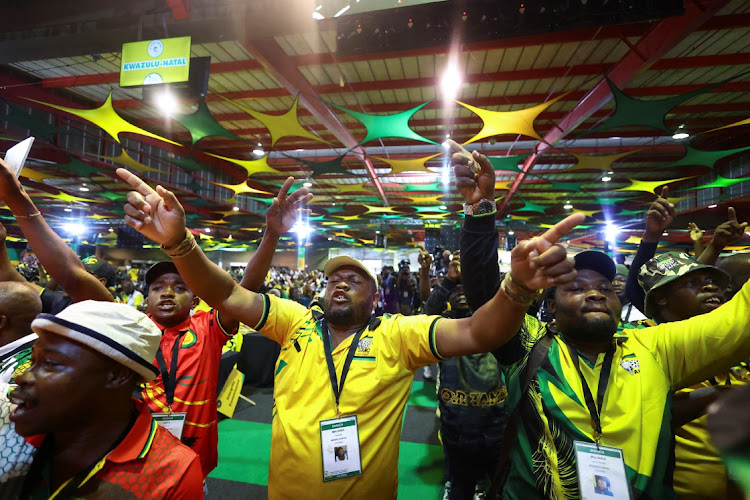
column 722, row 280
column 163, row 267
column 345, row 260
column 96, row 341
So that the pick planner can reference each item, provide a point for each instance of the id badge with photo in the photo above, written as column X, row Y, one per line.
column 173, row 422
column 601, row 472
column 339, row 440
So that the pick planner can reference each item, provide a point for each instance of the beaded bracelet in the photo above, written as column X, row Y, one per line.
column 30, row 216
column 183, row 248
column 519, row 294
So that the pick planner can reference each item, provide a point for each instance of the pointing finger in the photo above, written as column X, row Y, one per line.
column 135, row 182
column 732, row 215
column 563, row 227
column 285, row 187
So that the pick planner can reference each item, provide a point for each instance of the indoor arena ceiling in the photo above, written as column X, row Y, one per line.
column 357, row 107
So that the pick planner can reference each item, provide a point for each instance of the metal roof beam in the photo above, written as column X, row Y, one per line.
column 285, row 71
column 650, row 48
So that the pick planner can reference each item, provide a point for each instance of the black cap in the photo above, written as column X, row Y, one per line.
column 596, row 261
column 163, row 267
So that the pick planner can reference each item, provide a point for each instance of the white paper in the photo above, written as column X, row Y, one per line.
column 16, row 156
column 601, row 472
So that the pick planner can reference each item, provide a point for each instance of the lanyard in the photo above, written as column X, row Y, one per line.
column 595, row 408
column 170, row 377
column 337, row 386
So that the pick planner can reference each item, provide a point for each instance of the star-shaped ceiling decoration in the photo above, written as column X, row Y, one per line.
column 351, row 188
column 411, row 165
column 432, row 209
column 35, row 175
column 720, row 182
column 347, row 217
column 280, row 126
column 442, row 215
column 381, row 126
column 424, row 199
column 502, row 185
column 126, row 160
column 507, row 163
column 203, row 124
column 704, row 158
column 19, row 119
column 432, row 186
column 509, row 122
column 323, row 167
column 630, row 111
column 67, row 197
column 378, row 210
column 79, row 168
column 597, row 162
column 106, row 118
column 530, row 207
column 113, row 195
column 96, row 217
column 252, row 167
column 570, row 187
column 648, row 186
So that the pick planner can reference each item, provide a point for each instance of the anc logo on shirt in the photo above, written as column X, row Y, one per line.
column 188, row 340
column 363, row 347
column 631, row 364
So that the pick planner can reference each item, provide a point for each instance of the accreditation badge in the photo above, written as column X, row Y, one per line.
column 601, row 472
column 339, row 440
column 173, row 422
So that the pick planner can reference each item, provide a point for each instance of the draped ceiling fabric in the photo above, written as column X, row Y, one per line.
column 203, row 124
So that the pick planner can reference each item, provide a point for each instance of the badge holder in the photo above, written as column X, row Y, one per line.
column 339, row 440
column 601, row 472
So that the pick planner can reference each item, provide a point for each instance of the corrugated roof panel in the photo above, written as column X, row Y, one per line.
column 284, row 44
column 492, row 60
column 528, row 57
column 475, row 62
column 426, row 65
column 565, row 55
column 510, row 59
column 364, row 71
column 410, row 67
column 395, row 68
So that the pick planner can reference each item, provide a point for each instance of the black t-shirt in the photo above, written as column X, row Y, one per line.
column 53, row 302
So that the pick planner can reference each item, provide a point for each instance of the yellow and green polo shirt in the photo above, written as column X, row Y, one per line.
column 376, row 390
column 648, row 365
column 699, row 472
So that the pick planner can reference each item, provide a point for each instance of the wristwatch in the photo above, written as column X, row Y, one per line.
column 483, row 206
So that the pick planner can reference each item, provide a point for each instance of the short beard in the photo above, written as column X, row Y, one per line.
column 594, row 330
column 336, row 317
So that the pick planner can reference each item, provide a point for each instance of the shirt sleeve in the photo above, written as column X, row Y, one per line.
column 438, row 298
column 633, row 290
column 53, row 302
column 518, row 348
column 190, row 486
column 695, row 349
column 413, row 339
column 281, row 318
column 479, row 259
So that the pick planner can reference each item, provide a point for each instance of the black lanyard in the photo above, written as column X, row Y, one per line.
column 170, row 377
column 595, row 408
column 337, row 386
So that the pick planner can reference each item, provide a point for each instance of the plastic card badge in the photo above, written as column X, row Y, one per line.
column 173, row 422
column 601, row 472
column 16, row 156
column 339, row 440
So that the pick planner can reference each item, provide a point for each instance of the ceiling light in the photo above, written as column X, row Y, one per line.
column 337, row 14
column 446, row 145
column 111, row 230
column 259, row 151
column 208, row 229
column 665, row 233
column 443, row 207
column 318, row 16
column 236, row 209
column 74, row 228
column 68, row 209
column 610, row 232
column 680, row 133
column 567, row 206
column 377, row 232
column 84, row 189
column 511, row 232
column 713, row 205
column 329, row 239
column 307, row 184
column 167, row 102
column 606, row 178
column 450, row 82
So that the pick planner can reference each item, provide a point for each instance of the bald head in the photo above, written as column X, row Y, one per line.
column 738, row 267
column 19, row 305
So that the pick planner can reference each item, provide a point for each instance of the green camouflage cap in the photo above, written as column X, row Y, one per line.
column 667, row 267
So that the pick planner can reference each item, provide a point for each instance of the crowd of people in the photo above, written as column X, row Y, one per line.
column 567, row 377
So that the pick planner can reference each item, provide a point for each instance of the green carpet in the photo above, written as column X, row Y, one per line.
column 245, row 447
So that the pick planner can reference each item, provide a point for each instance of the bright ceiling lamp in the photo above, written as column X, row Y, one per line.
column 166, row 102
column 450, row 82
column 680, row 133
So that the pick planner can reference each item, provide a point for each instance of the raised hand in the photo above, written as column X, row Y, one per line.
column 659, row 216
column 424, row 258
column 728, row 232
column 156, row 214
column 283, row 212
column 541, row 262
column 475, row 177
column 696, row 234
column 454, row 268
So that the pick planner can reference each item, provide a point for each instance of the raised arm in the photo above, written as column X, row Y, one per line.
column 438, row 298
column 425, row 261
column 280, row 217
column 159, row 216
column 536, row 264
column 8, row 271
column 658, row 218
column 725, row 234
column 696, row 234
column 60, row 261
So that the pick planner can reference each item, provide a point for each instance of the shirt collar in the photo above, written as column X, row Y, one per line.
column 185, row 325
column 140, row 438
column 8, row 348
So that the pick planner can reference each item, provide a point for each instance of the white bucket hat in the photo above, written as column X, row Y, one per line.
column 116, row 330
